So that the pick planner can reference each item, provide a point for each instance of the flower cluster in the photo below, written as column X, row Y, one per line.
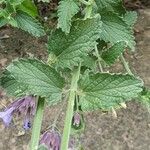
column 51, row 139
column 24, row 107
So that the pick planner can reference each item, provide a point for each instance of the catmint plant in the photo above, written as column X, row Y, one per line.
column 24, row 107
column 90, row 35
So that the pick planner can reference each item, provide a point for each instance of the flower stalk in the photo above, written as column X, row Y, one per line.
column 70, row 107
column 37, row 124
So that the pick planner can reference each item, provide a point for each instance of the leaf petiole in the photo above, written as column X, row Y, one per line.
column 125, row 64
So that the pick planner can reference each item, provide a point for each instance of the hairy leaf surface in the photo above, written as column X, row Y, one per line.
column 104, row 90
column 130, row 18
column 68, row 50
column 33, row 77
column 29, row 24
column 111, row 54
column 114, row 30
column 66, row 10
column 110, row 5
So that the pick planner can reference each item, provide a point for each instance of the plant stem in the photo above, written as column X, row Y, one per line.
column 125, row 64
column 70, row 108
column 89, row 8
column 85, row 2
column 37, row 124
column 99, row 59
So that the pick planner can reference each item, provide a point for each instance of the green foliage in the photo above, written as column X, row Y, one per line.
column 29, row 24
column 68, row 50
column 104, row 91
column 14, row 2
column 3, row 21
column 110, row 5
column 130, row 18
column 30, row 76
column 144, row 98
column 28, row 7
column 66, row 10
column 21, row 14
column 90, row 32
column 114, row 30
column 111, row 54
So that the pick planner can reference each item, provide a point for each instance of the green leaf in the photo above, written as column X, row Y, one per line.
column 89, row 61
column 104, row 90
column 29, row 24
column 3, row 21
column 66, row 10
column 144, row 98
column 28, row 7
column 114, row 30
column 68, row 50
column 13, row 87
column 15, row 2
column 110, row 5
column 1, row 1
column 130, row 18
column 34, row 77
column 111, row 54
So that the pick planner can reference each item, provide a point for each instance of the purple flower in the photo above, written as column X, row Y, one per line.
column 51, row 139
column 7, row 116
column 25, row 107
column 76, row 119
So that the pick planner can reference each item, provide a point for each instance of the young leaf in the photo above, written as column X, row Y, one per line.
column 110, row 5
column 66, row 10
column 111, row 54
column 114, row 30
column 68, row 50
column 28, row 7
column 34, row 77
column 29, row 24
column 130, row 18
column 104, row 90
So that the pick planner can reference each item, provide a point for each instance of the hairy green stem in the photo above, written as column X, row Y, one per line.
column 37, row 124
column 99, row 59
column 125, row 64
column 70, row 107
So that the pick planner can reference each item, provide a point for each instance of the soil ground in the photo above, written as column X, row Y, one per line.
column 129, row 131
